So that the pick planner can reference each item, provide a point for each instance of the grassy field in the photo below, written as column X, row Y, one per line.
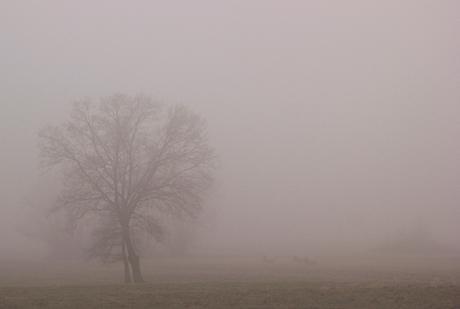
column 237, row 283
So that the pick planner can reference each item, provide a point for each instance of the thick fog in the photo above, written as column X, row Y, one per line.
column 336, row 122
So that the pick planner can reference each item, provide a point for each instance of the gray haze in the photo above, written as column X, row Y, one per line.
column 337, row 122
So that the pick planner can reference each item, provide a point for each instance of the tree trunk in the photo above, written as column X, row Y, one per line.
column 133, row 258
column 127, row 272
column 136, row 267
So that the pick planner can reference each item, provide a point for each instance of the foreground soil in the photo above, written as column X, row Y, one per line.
column 233, row 295
column 366, row 282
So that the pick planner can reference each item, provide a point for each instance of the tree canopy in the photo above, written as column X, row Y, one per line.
column 124, row 160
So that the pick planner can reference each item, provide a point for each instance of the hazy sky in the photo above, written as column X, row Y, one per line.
column 336, row 122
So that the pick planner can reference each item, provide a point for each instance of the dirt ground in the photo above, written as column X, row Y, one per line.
column 237, row 283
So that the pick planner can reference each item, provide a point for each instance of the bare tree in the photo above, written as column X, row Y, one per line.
column 125, row 160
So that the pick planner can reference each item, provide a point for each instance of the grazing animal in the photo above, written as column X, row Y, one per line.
column 269, row 260
column 303, row 260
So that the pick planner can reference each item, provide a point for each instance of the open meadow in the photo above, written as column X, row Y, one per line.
column 230, row 154
column 224, row 282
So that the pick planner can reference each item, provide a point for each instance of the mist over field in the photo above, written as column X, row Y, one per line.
column 336, row 123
